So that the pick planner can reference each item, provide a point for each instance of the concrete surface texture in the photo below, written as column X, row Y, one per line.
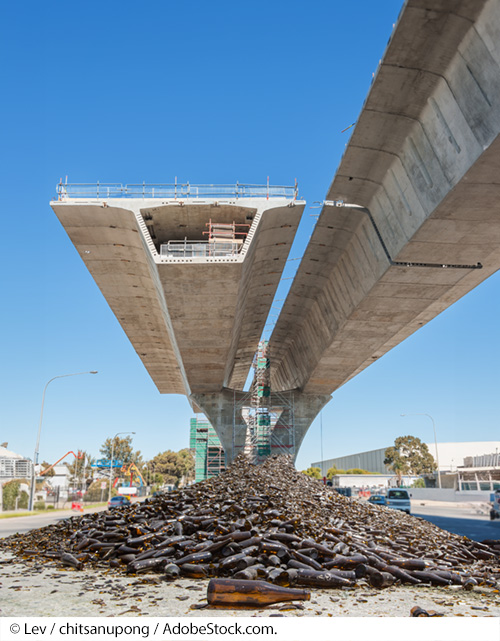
column 194, row 321
column 424, row 159
column 47, row 590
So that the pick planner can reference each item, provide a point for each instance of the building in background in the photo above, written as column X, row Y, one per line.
column 207, row 449
column 13, row 466
column 57, row 487
column 467, row 466
column 451, row 456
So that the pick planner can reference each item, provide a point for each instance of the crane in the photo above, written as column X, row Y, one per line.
column 77, row 456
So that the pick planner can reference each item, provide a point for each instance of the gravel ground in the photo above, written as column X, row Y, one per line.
column 51, row 591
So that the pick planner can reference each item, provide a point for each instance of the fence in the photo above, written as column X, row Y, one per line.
column 175, row 190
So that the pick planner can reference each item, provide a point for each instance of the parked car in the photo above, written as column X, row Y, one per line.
column 495, row 505
column 399, row 500
column 118, row 501
column 377, row 499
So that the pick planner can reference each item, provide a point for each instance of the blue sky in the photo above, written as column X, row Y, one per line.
column 211, row 93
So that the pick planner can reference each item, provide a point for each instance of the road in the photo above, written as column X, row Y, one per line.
column 20, row 524
column 459, row 520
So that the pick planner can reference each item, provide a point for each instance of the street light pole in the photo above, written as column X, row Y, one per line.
column 37, row 446
column 435, row 442
column 111, row 460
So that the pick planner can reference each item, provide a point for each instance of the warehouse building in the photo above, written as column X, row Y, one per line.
column 450, row 455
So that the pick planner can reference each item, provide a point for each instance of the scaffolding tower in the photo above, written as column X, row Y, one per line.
column 268, row 416
column 226, row 238
column 207, row 449
column 261, row 390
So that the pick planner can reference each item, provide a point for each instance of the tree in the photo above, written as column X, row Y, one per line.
column 48, row 474
column 97, row 493
column 173, row 466
column 10, row 494
column 80, row 469
column 313, row 472
column 333, row 471
column 188, row 463
column 409, row 456
column 122, row 451
column 357, row 470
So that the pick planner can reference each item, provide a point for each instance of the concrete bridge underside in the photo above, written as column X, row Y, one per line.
column 424, row 160
column 195, row 322
column 421, row 173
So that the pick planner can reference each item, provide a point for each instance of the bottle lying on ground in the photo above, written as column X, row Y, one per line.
column 71, row 561
column 430, row 577
column 146, row 565
column 241, row 592
column 381, row 579
column 322, row 579
column 171, row 571
column 195, row 570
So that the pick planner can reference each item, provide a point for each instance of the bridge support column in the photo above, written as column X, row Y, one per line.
column 226, row 412
column 305, row 409
column 223, row 410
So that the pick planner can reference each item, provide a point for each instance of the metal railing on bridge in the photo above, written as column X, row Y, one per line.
column 173, row 191
column 199, row 249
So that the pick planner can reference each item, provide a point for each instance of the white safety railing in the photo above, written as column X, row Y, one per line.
column 199, row 249
column 173, row 191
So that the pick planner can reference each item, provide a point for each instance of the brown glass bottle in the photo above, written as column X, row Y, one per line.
column 400, row 574
column 197, row 557
column 195, row 571
column 346, row 562
column 125, row 549
column 145, row 555
column 411, row 564
column 230, row 549
column 430, row 577
column 306, row 560
column 83, row 544
column 416, row 611
column 232, row 561
column 277, row 576
column 278, row 549
column 469, row 583
column 241, row 592
column 451, row 576
column 323, row 579
column 381, row 579
column 171, row 571
column 69, row 559
column 297, row 565
column 283, row 537
column 146, row 565
column 248, row 574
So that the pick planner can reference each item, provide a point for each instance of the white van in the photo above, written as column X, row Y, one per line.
column 399, row 500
